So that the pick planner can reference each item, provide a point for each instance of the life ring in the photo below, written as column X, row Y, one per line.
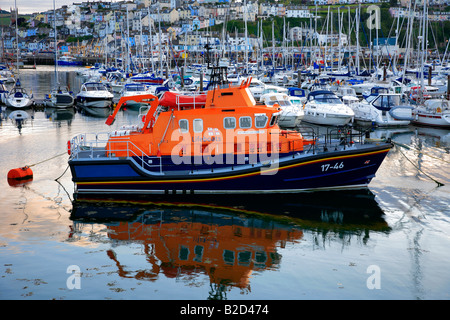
column 438, row 110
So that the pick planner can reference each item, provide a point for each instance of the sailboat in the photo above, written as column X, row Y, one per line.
column 59, row 96
column 18, row 97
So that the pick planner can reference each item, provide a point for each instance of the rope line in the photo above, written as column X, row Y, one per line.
column 31, row 165
column 440, row 184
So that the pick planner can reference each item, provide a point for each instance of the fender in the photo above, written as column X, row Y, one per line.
column 391, row 112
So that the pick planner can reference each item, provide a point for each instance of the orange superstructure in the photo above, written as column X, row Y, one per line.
column 230, row 122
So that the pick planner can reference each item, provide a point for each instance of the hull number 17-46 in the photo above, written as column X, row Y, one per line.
column 335, row 166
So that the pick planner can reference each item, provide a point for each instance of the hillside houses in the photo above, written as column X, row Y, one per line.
column 91, row 21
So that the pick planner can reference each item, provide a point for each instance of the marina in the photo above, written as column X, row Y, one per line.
column 288, row 246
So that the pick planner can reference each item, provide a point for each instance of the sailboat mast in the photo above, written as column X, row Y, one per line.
column 17, row 42
column 56, row 43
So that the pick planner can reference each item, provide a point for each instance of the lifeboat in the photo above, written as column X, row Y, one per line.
column 185, row 100
column 231, row 145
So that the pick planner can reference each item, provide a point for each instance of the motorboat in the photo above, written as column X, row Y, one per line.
column 134, row 89
column 59, row 97
column 383, row 110
column 116, row 80
column 325, row 108
column 434, row 112
column 94, row 94
column 290, row 114
column 18, row 97
column 147, row 78
column 69, row 61
column 232, row 145
column 374, row 92
column 258, row 88
column 6, row 75
column 345, row 91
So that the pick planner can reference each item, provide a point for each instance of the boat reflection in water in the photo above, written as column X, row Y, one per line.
column 226, row 238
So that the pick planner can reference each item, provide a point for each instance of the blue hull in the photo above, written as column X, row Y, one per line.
column 70, row 63
column 293, row 173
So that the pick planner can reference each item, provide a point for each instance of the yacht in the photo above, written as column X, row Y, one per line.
column 18, row 97
column 383, row 110
column 134, row 89
column 59, row 97
column 290, row 114
column 434, row 112
column 94, row 94
column 325, row 108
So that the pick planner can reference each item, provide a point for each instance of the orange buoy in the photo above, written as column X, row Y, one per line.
column 23, row 173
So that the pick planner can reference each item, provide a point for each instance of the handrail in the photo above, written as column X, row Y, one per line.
column 80, row 141
column 165, row 131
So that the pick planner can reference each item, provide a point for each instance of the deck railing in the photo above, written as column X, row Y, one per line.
column 94, row 146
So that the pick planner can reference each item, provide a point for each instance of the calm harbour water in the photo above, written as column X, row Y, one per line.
column 389, row 242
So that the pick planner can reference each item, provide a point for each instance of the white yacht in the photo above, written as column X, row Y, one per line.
column 325, row 108
column 290, row 114
column 434, row 112
column 383, row 110
column 18, row 97
column 94, row 94
column 135, row 89
column 59, row 97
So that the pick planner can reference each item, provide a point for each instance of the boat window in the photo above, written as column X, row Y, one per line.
column 198, row 125
column 184, row 125
column 273, row 120
column 327, row 98
column 229, row 123
column 245, row 122
column 386, row 101
column 260, row 120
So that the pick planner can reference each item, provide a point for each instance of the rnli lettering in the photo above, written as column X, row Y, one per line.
column 205, row 139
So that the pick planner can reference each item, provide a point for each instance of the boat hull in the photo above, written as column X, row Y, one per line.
column 327, row 120
column 18, row 103
column 432, row 119
column 94, row 102
column 60, row 101
column 347, row 169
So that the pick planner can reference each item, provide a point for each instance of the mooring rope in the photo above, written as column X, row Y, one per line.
column 419, row 151
column 31, row 165
column 440, row 184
